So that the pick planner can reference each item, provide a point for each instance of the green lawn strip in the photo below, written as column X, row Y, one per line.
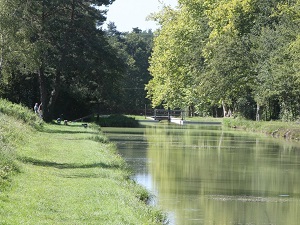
column 278, row 129
column 69, row 178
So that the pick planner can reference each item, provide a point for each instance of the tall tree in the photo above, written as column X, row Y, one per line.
column 229, row 52
column 63, row 45
column 134, row 48
column 177, row 58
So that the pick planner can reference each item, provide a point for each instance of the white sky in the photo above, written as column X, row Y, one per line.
column 127, row 14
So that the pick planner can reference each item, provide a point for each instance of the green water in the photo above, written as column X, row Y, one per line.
column 207, row 175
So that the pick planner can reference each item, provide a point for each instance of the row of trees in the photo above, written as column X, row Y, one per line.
column 56, row 53
column 239, row 55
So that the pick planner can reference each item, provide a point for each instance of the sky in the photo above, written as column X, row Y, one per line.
column 127, row 14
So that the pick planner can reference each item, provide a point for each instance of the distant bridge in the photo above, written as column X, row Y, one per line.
column 178, row 117
column 169, row 115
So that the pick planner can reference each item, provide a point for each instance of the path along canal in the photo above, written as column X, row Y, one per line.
column 202, row 174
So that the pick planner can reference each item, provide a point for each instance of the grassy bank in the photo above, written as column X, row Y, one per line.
column 277, row 129
column 287, row 130
column 66, row 175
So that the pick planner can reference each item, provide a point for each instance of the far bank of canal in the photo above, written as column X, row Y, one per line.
column 203, row 174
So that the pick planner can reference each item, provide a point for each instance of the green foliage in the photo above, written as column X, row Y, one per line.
column 58, row 43
column 177, row 59
column 134, row 48
column 210, row 53
column 117, row 121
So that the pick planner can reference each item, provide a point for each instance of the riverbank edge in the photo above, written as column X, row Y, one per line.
column 16, row 133
column 276, row 129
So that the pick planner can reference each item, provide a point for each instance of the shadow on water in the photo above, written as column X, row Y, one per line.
column 43, row 163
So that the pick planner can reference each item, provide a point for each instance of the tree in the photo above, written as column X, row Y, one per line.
column 275, row 84
column 134, row 48
column 177, row 58
column 232, row 53
column 63, row 47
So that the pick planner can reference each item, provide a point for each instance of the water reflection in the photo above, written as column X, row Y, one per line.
column 206, row 175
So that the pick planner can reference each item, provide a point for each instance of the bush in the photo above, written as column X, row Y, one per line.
column 117, row 121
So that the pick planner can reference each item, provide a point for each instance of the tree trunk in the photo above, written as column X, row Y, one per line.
column 49, row 101
column 43, row 92
column 54, row 94
column 191, row 111
column 59, row 70
column 257, row 112
column 1, row 55
column 224, row 109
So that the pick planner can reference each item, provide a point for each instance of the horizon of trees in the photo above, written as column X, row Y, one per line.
column 236, row 55
column 210, row 57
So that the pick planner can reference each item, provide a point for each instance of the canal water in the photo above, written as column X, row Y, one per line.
column 201, row 174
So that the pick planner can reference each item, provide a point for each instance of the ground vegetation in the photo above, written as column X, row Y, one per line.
column 65, row 174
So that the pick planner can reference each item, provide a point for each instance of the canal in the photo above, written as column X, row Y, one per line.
column 201, row 174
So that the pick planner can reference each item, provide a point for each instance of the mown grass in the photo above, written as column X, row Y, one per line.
column 66, row 175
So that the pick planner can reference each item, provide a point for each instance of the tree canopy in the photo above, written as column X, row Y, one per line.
column 212, row 57
column 236, row 55
column 57, row 53
column 58, row 43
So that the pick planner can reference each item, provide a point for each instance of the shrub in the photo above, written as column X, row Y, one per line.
column 117, row 121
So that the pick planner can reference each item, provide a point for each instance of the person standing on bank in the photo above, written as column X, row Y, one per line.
column 40, row 110
column 36, row 108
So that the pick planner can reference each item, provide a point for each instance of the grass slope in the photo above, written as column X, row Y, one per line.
column 277, row 129
column 71, row 175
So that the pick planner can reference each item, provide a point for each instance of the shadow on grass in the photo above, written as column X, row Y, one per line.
column 76, row 176
column 43, row 163
column 50, row 131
